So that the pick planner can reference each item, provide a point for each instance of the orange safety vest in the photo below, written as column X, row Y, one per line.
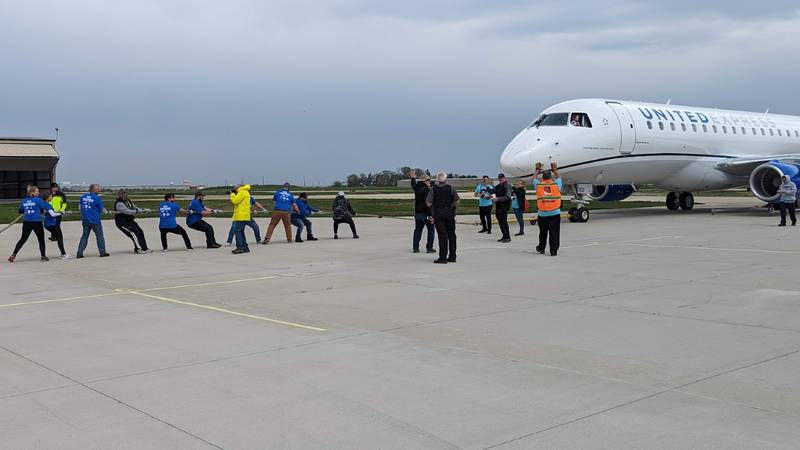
column 548, row 196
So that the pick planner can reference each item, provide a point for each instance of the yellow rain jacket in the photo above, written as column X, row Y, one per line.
column 58, row 204
column 241, row 204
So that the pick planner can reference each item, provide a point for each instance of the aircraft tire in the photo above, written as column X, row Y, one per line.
column 673, row 202
column 582, row 215
column 572, row 216
column 686, row 201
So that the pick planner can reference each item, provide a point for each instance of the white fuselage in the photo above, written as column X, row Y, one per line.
column 673, row 147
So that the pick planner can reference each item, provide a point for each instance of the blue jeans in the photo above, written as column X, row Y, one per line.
column 98, row 233
column 300, row 223
column 252, row 224
column 421, row 221
column 520, row 219
column 238, row 231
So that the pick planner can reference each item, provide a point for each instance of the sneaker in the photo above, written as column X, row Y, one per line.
column 246, row 250
column 311, row 238
column 264, row 242
column 66, row 256
column 238, row 251
column 430, row 250
column 52, row 239
column 11, row 258
column 504, row 240
column 298, row 240
column 482, row 231
column 214, row 246
column 105, row 255
column 228, row 244
column 147, row 251
column 355, row 236
column 336, row 236
column 540, row 251
column 451, row 260
column 781, row 224
column 553, row 254
column 189, row 249
column 416, row 250
column 521, row 233
column 44, row 259
column 137, row 251
column 164, row 250
column 79, row 256
column 440, row 261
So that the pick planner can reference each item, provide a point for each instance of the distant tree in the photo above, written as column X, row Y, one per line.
column 338, row 184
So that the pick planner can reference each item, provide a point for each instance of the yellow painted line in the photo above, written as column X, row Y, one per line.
column 227, row 311
column 67, row 299
column 213, row 283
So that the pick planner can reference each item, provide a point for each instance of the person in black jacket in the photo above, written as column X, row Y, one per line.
column 502, row 204
column 343, row 212
column 443, row 200
column 518, row 205
column 422, row 212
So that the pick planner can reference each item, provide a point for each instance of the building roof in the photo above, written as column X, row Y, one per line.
column 27, row 148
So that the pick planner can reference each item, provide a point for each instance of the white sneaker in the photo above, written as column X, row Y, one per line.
column 66, row 256
column 163, row 250
column 228, row 244
column 146, row 251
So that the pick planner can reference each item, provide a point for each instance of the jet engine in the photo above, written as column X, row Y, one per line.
column 767, row 178
column 611, row 192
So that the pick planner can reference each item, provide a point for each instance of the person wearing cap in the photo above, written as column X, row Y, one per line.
column 240, row 198
column 343, row 212
column 422, row 212
column 252, row 223
column 502, row 203
column 168, row 212
column 548, row 187
column 59, row 203
column 484, row 192
column 443, row 201
column 125, row 220
column 300, row 218
column 284, row 203
column 194, row 219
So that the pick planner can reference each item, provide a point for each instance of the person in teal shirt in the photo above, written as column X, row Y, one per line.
column 484, row 193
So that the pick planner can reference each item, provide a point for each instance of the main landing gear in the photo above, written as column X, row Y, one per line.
column 579, row 214
column 683, row 200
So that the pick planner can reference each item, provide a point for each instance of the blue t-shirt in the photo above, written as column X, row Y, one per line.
column 195, row 215
column 32, row 209
column 252, row 200
column 49, row 221
column 283, row 200
column 91, row 208
column 168, row 213
column 481, row 189
column 556, row 212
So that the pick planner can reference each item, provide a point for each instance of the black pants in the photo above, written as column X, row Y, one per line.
column 347, row 220
column 27, row 227
column 205, row 227
column 134, row 232
column 502, row 221
column 421, row 222
column 486, row 217
column 549, row 225
column 55, row 232
column 446, row 233
column 58, row 224
column 177, row 230
column 791, row 208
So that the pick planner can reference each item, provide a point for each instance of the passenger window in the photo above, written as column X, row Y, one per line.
column 694, row 127
column 788, row 133
column 754, row 131
column 660, row 125
column 672, row 126
column 725, row 129
column 714, row 128
column 683, row 126
column 763, row 133
column 744, row 131
column 580, row 120
column 733, row 130
column 779, row 132
column 649, row 125
column 705, row 128
column 771, row 132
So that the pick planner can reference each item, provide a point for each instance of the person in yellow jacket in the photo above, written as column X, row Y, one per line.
column 59, row 204
column 240, row 197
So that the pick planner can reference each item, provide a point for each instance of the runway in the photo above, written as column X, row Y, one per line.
column 649, row 330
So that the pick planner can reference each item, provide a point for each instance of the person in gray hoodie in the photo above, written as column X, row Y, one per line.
column 788, row 193
column 124, row 218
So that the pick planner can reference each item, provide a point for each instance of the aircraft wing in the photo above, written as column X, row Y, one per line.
column 744, row 165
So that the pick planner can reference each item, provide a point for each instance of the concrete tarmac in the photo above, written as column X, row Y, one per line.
column 649, row 330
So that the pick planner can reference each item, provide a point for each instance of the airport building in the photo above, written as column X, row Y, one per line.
column 26, row 161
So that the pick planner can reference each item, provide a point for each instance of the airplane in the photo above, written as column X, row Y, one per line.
column 604, row 148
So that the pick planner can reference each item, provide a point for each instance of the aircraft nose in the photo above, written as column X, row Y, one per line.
column 515, row 158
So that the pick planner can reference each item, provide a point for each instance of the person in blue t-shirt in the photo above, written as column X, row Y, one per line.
column 31, row 208
column 194, row 219
column 484, row 192
column 92, row 207
column 168, row 212
column 252, row 223
column 300, row 218
column 284, row 204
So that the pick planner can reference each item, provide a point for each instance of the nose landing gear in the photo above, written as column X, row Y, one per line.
column 683, row 200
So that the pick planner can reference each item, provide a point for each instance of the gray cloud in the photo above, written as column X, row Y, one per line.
column 158, row 91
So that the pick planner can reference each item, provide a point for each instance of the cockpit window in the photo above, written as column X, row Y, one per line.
column 580, row 120
column 551, row 120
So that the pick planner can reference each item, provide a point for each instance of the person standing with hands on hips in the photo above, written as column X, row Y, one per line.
column 548, row 187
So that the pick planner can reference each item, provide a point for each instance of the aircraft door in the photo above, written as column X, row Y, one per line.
column 626, row 128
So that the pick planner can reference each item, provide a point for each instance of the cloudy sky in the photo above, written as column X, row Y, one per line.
column 154, row 91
